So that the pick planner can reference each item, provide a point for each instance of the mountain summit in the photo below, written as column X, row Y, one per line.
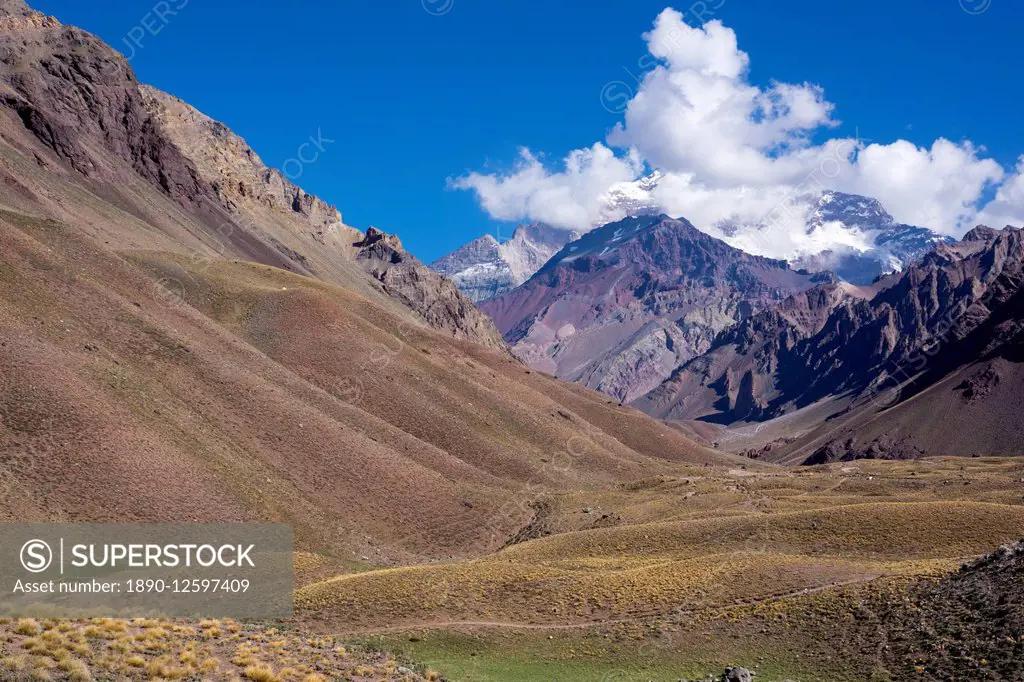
column 850, row 235
column 872, row 242
column 487, row 267
column 624, row 305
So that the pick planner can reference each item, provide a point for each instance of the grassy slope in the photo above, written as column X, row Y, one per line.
column 212, row 650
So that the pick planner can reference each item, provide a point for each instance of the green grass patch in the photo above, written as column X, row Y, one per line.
column 497, row 656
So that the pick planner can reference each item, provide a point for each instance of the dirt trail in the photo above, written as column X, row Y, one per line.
column 824, row 490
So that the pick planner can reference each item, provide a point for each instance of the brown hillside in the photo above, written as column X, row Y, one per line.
column 82, row 141
column 279, row 397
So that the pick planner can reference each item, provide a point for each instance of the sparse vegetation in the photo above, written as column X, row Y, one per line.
column 146, row 649
column 673, row 576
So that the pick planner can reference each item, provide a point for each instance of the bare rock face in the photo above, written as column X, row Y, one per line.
column 80, row 99
column 740, row 374
column 231, row 167
column 619, row 309
column 14, row 8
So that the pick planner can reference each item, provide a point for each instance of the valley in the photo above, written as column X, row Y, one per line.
column 635, row 453
column 790, row 572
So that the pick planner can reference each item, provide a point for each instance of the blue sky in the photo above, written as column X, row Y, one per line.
column 413, row 97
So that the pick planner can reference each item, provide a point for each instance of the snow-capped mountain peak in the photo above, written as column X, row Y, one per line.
column 849, row 234
column 486, row 267
column 625, row 199
column 853, row 210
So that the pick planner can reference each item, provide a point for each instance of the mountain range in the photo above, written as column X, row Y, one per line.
column 186, row 336
column 175, row 310
column 941, row 337
column 686, row 326
column 847, row 234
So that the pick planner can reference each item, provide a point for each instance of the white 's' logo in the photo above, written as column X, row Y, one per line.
column 36, row 556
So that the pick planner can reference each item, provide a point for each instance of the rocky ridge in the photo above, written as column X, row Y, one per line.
column 77, row 121
column 231, row 167
column 969, row 625
column 959, row 308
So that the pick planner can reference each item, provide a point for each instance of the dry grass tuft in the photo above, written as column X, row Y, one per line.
column 261, row 673
column 27, row 626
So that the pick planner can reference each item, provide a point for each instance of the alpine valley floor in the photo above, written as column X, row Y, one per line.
column 838, row 572
column 809, row 574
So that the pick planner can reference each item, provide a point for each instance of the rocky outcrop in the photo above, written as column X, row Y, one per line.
column 623, row 306
column 14, row 8
column 967, row 626
column 229, row 165
column 737, row 674
column 432, row 296
column 731, row 674
column 80, row 100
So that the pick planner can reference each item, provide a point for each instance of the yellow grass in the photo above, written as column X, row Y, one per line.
column 143, row 649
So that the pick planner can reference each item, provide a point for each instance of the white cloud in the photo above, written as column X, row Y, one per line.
column 732, row 152
column 937, row 187
column 1007, row 208
column 570, row 198
column 696, row 113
